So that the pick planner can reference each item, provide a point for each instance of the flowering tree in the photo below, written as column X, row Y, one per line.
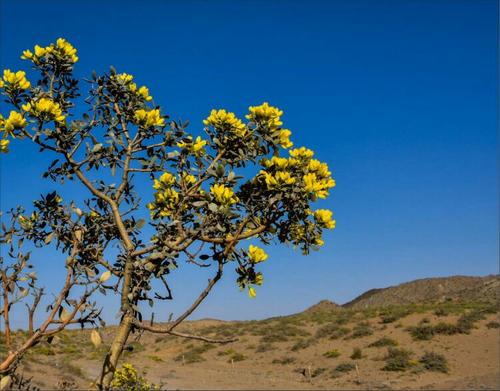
column 201, row 209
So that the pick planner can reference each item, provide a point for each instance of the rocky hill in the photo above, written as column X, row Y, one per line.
column 429, row 290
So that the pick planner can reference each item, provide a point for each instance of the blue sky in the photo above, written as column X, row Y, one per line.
column 399, row 97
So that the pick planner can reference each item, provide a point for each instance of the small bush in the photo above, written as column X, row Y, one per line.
column 332, row 353
column 127, row 379
column 342, row 368
column 332, row 331
column 361, row 330
column 383, row 342
column 356, row 354
column 235, row 357
column 302, row 344
column 284, row 360
column 317, row 372
column 397, row 359
column 155, row 358
column 441, row 312
column 194, row 354
column 421, row 332
column 265, row 347
column 434, row 362
column 493, row 325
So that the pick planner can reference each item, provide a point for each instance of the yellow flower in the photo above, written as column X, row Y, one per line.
column 16, row 81
column 144, row 93
column 149, row 118
column 324, row 218
column 320, row 169
column 280, row 178
column 256, row 254
column 62, row 49
column 123, row 77
column 223, row 195
column 259, row 279
column 251, row 292
column 318, row 187
column 279, row 162
column 188, row 178
column 15, row 121
column 166, row 180
column 165, row 204
column 284, row 137
column 45, row 109
column 268, row 115
column 301, row 153
column 27, row 55
column 195, row 147
column 4, row 146
column 318, row 241
column 224, row 120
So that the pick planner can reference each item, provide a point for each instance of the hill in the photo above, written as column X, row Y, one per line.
column 431, row 290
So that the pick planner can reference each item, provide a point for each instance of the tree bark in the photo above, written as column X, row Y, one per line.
column 114, row 353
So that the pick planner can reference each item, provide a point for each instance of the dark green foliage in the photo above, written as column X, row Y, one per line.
column 382, row 342
column 397, row 359
column 342, row 368
column 194, row 354
column 332, row 353
column 317, row 372
column 302, row 344
column 361, row 330
column 434, row 362
column 493, row 325
column 284, row 360
column 332, row 331
column 356, row 354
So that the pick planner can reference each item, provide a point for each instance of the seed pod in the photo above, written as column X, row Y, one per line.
column 105, row 276
column 95, row 338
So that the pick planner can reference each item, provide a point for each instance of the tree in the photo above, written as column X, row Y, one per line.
column 201, row 208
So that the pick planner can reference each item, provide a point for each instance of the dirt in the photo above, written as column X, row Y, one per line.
column 473, row 359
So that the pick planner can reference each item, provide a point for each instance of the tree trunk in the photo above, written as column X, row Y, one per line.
column 115, row 351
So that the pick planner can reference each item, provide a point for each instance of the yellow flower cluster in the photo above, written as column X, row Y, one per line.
column 149, row 118
column 45, row 109
column 324, row 218
column 225, row 120
column 256, row 254
column 284, row 137
column 301, row 153
column 127, row 379
column 278, row 179
column 265, row 114
column 223, row 195
column 166, row 180
column 61, row 49
column 126, row 79
column 15, row 81
column 195, row 147
column 4, row 146
column 188, row 179
column 16, row 121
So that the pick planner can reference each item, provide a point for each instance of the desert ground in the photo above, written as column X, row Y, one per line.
column 450, row 344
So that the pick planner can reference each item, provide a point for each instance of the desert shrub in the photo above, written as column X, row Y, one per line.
column 302, row 344
column 265, row 347
column 155, row 358
column 446, row 328
column 332, row 331
column 493, row 325
column 127, row 379
column 284, row 360
column 356, row 354
column 466, row 322
column 397, row 359
column 382, row 342
column 441, row 311
column 342, row 368
column 235, row 357
column 421, row 332
column 317, row 372
column 425, row 321
column 361, row 330
column 392, row 314
column 434, row 362
column 332, row 353
column 194, row 354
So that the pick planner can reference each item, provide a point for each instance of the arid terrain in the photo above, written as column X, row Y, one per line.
column 428, row 334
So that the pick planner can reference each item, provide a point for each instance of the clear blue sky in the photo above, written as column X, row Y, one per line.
column 399, row 97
